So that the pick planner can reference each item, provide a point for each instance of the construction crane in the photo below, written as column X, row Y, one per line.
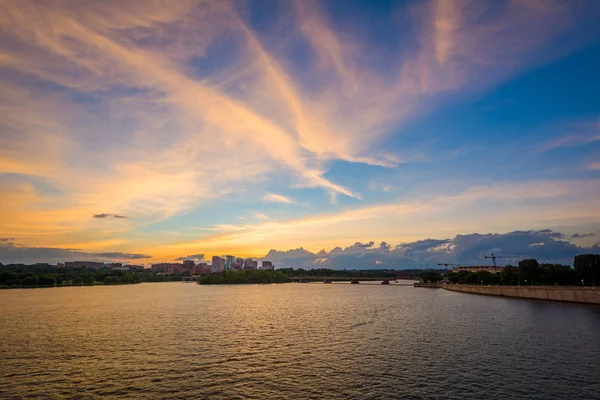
column 493, row 257
column 447, row 264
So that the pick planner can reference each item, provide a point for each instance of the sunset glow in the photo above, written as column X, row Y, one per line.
column 152, row 130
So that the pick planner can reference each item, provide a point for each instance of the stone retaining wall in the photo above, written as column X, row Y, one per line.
column 573, row 294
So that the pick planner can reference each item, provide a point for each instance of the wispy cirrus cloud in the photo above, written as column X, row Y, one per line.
column 277, row 198
column 132, row 107
column 582, row 134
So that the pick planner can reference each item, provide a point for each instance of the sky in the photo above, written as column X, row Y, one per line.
column 354, row 134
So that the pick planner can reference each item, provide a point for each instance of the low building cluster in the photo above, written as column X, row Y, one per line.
column 476, row 268
column 218, row 264
column 99, row 265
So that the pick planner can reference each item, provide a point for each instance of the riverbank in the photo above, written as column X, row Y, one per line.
column 3, row 287
column 571, row 294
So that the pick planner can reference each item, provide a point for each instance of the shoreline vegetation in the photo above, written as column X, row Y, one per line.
column 23, row 276
column 244, row 277
column 20, row 276
column 585, row 272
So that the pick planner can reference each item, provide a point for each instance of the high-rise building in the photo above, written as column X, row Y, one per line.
column 250, row 264
column 218, row 264
column 229, row 260
column 267, row 265
column 188, row 263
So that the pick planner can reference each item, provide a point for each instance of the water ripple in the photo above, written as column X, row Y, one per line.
column 293, row 341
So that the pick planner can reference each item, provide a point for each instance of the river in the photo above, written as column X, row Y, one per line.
column 293, row 341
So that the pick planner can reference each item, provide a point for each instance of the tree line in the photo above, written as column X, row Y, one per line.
column 241, row 277
column 585, row 271
column 21, row 275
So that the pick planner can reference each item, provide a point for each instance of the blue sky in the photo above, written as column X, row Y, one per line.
column 239, row 127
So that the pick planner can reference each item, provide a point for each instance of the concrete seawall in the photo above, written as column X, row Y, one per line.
column 428, row 285
column 572, row 294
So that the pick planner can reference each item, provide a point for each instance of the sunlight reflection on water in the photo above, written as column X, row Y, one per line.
column 293, row 341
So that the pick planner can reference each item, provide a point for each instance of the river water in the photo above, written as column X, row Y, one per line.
column 293, row 341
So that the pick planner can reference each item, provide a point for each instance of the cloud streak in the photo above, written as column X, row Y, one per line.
column 277, row 198
column 581, row 235
column 101, row 216
column 16, row 253
column 193, row 257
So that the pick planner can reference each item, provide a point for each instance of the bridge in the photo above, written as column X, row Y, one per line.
column 306, row 279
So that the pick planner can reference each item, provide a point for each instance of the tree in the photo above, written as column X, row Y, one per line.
column 471, row 277
column 26, row 275
column 509, row 275
column 462, row 276
column 77, row 281
column 47, row 280
column 431, row 276
column 484, row 277
column 557, row 274
column 588, row 268
column 30, row 281
column 7, row 276
column 529, row 271
column 453, row 277
column 14, row 282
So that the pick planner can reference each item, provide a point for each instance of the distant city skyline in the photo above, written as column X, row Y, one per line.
column 310, row 133
column 544, row 245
